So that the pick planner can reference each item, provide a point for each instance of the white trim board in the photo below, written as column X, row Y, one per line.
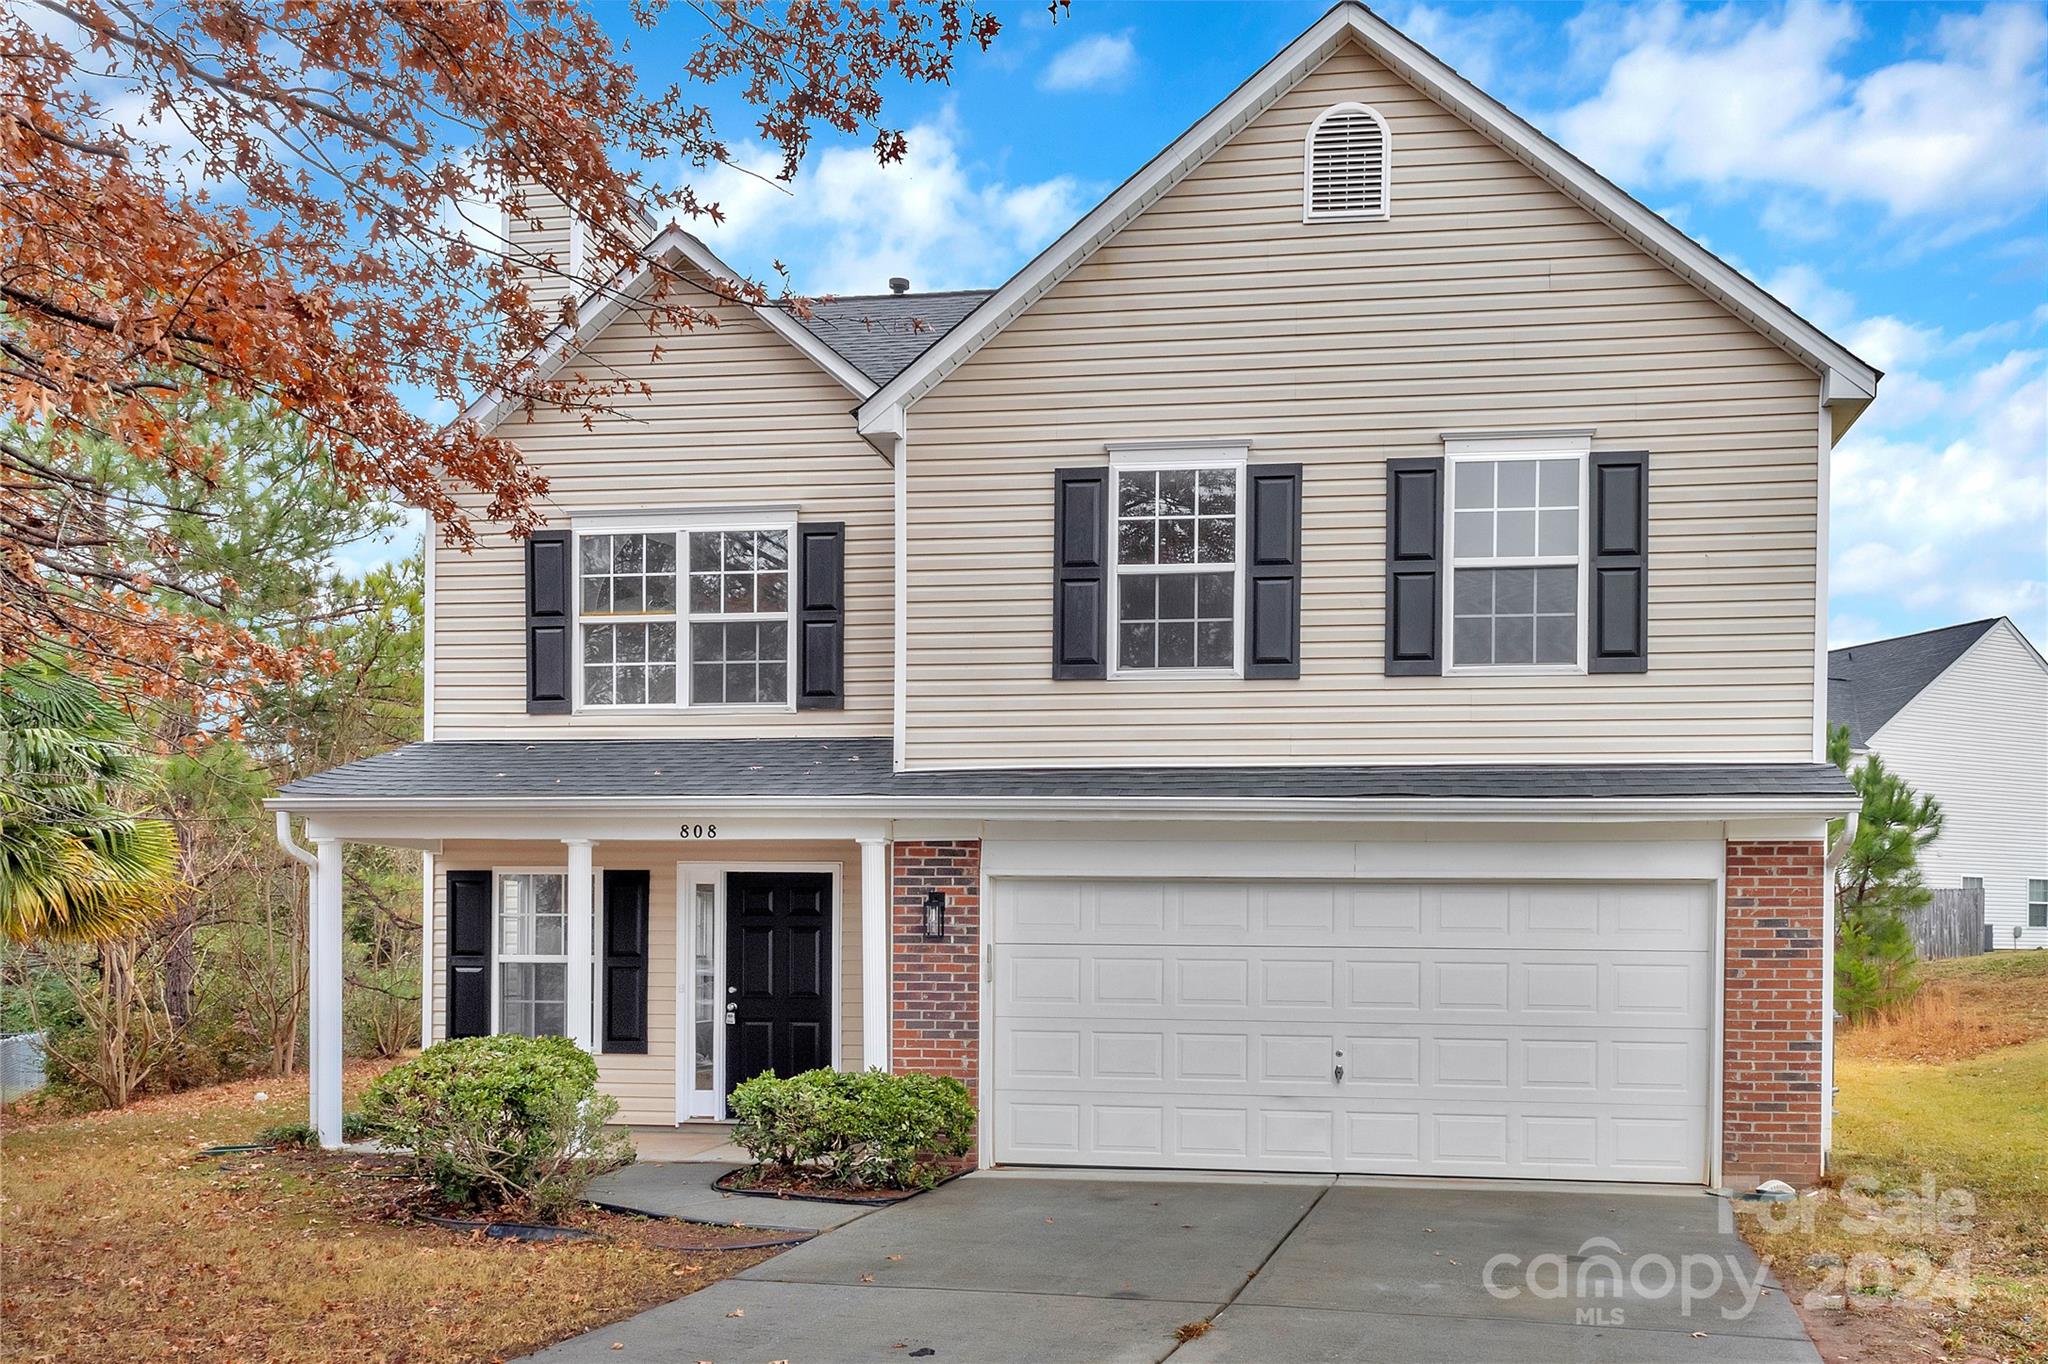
column 716, row 870
column 1846, row 380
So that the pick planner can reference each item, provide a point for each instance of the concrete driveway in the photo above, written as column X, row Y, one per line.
column 1034, row 1269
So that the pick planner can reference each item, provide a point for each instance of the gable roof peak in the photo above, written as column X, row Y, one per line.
column 1847, row 383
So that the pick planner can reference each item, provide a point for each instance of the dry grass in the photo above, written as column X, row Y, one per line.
column 1977, row 1126
column 117, row 1242
column 1968, row 1007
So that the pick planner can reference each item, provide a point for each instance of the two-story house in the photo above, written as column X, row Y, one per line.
column 1962, row 714
column 1323, row 670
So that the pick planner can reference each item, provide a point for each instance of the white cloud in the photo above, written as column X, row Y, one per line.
column 1737, row 99
column 1101, row 61
column 1946, row 514
column 848, row 223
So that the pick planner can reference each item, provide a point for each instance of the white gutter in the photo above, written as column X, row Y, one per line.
column 1533, row 809
column 299, row 854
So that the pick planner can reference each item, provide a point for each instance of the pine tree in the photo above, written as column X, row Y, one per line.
column 1878, row 885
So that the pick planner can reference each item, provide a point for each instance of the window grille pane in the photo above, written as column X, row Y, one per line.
column 1175, row 620
column 1506, row 617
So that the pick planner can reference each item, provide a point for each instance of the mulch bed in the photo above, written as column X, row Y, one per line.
column 384, row 1187
column 757, row 1183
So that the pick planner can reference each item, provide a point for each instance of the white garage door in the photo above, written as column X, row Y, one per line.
column 1557, row 1031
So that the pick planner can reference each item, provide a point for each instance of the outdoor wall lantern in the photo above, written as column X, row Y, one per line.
column 935, row 916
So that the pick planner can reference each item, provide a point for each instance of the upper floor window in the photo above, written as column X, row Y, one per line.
column 1177, row 566
column 1517, row 562
column 697, row 617
column 1346, row 165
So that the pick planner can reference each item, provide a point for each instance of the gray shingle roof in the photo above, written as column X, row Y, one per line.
column 880, row 334
column 1870, row 683
column 676, row 768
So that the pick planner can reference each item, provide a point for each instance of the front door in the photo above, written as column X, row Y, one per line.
column 778, row 978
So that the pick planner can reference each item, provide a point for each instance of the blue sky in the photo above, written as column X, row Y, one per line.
column 1883, row 169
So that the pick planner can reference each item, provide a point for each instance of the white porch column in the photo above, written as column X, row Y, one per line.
column 874, row 953
column 581, row 925
column 323, row 994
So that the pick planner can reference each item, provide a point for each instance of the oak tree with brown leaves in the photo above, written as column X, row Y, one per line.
column 297, row 205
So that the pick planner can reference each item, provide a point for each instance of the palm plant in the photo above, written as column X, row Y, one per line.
column 74, row 866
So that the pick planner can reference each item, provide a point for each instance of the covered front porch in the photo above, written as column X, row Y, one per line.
column 685, row 955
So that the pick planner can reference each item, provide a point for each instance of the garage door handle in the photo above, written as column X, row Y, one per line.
column 1340, row 1068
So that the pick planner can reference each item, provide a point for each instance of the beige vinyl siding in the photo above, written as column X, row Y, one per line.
column 736, row 417
column 645, row 1086
column 542, row 244
column 1487, row 301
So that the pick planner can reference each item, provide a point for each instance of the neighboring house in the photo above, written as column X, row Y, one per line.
column 1962, row 714
column 1321, row 671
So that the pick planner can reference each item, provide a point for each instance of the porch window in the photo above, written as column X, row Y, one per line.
column 533, row 954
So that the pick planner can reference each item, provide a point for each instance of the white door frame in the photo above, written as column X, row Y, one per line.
column 688, row 876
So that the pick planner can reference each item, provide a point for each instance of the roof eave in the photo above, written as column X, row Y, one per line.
column 1525, row 809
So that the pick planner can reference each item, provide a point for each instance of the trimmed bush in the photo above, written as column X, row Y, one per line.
column 869, row 1130
column 496, row 1121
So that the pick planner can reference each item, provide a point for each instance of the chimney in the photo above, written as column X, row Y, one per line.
column 898, row 285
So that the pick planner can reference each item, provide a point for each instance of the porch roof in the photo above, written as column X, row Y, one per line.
column 862, row 771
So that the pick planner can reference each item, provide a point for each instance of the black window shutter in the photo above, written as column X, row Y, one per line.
column 625, row 961
column 469, row 953
column 1272, row 572
column 1080, row 569
column 549, row 578
column 821, row 615
column 1619, row 589
column 1415, row 567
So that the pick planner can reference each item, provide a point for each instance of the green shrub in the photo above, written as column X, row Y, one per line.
column 503, row 1120
column 855, row 1131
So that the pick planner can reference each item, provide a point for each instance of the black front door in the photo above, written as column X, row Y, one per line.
column 778, row 973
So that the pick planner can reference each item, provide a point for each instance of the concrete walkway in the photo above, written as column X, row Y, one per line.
column 685, row 1189
column 996, row 1270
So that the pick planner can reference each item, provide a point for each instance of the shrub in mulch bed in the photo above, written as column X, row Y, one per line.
column 825, row 1133
column 763, row 1181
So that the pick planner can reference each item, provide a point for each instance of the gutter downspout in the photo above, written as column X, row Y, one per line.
column 314, row 1011
column 1836, row 851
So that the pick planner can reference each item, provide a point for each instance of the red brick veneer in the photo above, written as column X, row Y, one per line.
column 936, row 1023
column 1772, row 1029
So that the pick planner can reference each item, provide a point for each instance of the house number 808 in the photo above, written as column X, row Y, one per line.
column 698, row 831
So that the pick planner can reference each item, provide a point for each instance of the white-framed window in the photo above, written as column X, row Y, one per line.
column 1177, row 562
column 530, row 984
column 1347, row 165
column 2037, row 903
column 685, row 615
column 1515, row 595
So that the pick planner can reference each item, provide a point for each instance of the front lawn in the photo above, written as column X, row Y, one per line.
column 118, row 1242
column 1967, row 1135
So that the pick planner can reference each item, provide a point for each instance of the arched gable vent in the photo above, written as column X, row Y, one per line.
column 1346, row 164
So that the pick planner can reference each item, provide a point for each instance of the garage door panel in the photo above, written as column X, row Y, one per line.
column 1440, row 1137
column 1484, row 1029
column 1563, row 1066
column 1324, row 914
column 1648, row 990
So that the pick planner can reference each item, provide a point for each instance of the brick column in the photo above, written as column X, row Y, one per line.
column 935, row 1025
column 1772, row 1021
